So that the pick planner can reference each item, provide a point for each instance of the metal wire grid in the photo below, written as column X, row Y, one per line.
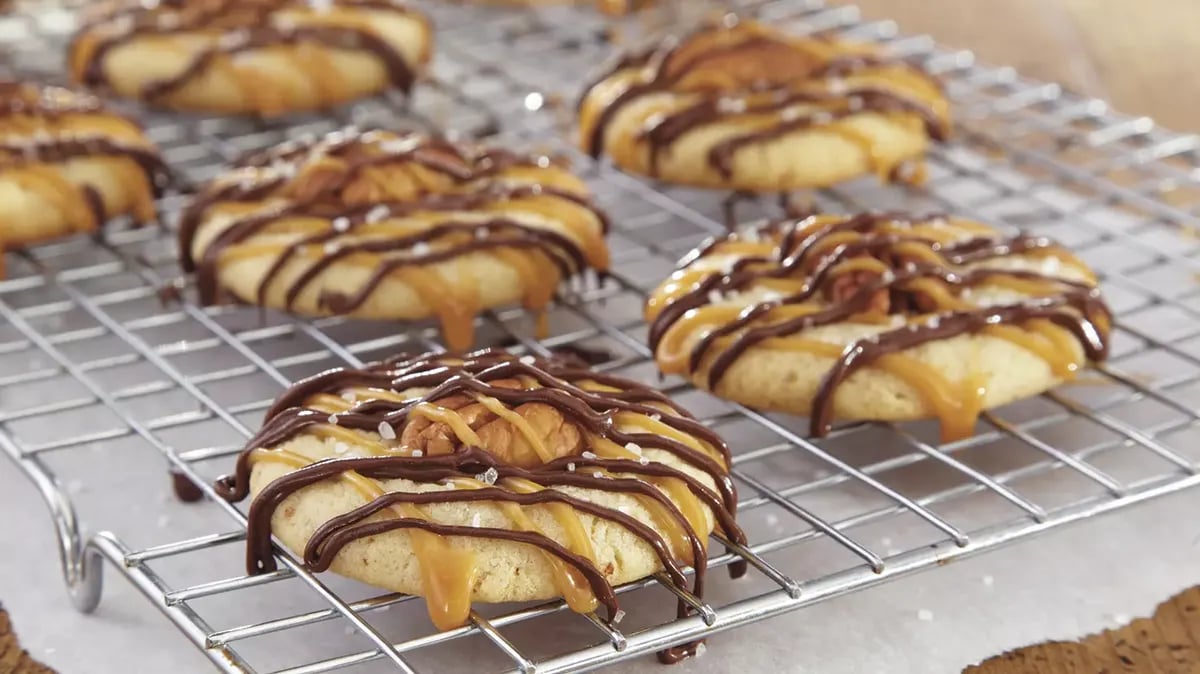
column 184, row 385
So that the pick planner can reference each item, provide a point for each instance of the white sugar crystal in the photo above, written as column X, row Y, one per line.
column 618, row 616
column 988, row 580
column 341, row 224
column 597, row 474
column 925, row 615
column 386, row 431
column 528, row 360
column 715, row 296
column 476, row 520
column 634, row 447
column 489, row 476
column 589, row 455
column 340, row 448
column 421, row 248
column 731, row 106
column 333, row 419
column 378, row 213
column 416, row 454
column 571, row 466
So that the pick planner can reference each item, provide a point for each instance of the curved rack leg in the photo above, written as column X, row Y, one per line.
column 82, row 565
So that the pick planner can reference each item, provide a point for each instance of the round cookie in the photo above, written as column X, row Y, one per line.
column 878, row 316
column 266, row 57
column 485, row 478
column 391, row 226
column 738, row 105
column 67, row 165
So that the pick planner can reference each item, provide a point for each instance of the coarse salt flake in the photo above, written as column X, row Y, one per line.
column 528, row 360
column 589, row 455
column 656, row 417
column 618, row 616
column 416, row 454
column 386, row 431
column 489, row 476
column 571, row 466
column 340, row 448
column 731, row 106
column 644, row 460
column 349, row 397
column 341, row 224
column 597, row 474
column 634, row 447
column 378, row 213
column 332, row 419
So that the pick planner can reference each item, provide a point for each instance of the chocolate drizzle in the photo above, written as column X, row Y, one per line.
column 560, row 384
column 804, row 252
column 820, row 88
column 273, row 176
column 241, row 25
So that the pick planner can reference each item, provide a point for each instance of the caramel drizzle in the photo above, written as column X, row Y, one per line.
column 665, row 130
column 243, row 27
column 811, row 252
column 592, row 401
column 446, row 239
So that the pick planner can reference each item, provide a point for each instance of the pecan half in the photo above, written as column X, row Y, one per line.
column 498, row 435
column 844, row 286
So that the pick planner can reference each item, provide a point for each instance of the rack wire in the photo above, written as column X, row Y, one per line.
column 151, row 387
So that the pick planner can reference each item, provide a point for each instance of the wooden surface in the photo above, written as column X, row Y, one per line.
column 13, row 659
column 1140, row 55
column 1166, row 643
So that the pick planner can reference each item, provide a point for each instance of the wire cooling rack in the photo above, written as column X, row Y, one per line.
column 102, row 389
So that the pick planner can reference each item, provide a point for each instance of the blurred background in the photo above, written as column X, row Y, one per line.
column 1139, row 55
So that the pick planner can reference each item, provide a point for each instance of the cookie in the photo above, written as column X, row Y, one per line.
column 485, row 478
column 391, row 226
column 879, row 316
column 738, row 105
column 68, row 164
column 266, row 57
